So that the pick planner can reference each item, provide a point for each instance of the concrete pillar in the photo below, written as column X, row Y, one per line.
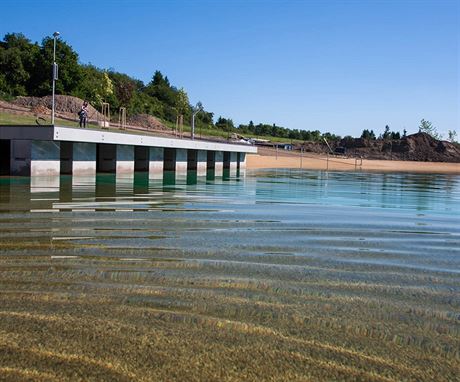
column 201, row 163
column 181, row 163
column 156, row 161
column 84, row 159
column 45, row 158
column 219, row 164
column 125, row 159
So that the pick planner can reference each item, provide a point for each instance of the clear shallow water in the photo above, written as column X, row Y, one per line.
column 366, row 262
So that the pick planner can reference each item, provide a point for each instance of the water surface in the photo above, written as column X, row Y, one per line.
column 276, row 275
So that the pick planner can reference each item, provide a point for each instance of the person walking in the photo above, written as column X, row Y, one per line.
column 83, row 114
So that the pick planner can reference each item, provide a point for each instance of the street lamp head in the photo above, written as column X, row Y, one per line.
column 56, row 34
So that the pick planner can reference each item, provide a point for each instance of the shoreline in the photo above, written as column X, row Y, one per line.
column 311, row 161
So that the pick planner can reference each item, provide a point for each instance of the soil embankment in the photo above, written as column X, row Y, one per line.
column 67, row 108
column 416, row 147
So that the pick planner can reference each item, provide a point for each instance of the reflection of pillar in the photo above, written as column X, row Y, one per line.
column 156, row 157
column 47, row 186
column 181, row 163
column 15, row 195
column 84, row 159
column 125, row 159
column 219, row 164
column 45, row 158
column 202, row 158
column 84, row 186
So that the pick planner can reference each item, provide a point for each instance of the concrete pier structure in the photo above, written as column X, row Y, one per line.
column 55, row 150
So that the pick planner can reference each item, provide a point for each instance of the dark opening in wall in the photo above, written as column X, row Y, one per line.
column 66, row 157
column 226, row 160
column 211, row 160
column 169, row 163
column 141, row 158
column 106, row 158
column 5, row 156
column 192, row 160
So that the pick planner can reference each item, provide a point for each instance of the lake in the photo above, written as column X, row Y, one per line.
column 270, row 275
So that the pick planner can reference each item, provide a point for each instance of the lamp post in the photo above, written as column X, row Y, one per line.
column 55, row 74
column 196, row 110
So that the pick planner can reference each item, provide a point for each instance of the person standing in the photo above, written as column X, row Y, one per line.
column 83, row 114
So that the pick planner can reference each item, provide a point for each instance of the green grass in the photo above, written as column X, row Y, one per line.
column 15, row 119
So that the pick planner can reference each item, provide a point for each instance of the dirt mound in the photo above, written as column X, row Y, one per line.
column 65, row 105
column 415, row 147
column 146, row 121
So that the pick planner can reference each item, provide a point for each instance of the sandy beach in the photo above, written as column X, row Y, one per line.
column 268, row 158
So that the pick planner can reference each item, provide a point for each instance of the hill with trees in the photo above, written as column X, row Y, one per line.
column 25, row 70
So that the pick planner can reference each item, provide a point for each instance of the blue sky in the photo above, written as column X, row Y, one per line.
column 338, row 66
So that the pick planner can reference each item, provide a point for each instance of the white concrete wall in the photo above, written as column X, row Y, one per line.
column 97, row 136
column 45, row 158
column 201, row 162
column 156, row 158
column 181, row 163
column 125, row 159
column 219, row 166
column 242, row 161
column 84, row 159
column 233, row 162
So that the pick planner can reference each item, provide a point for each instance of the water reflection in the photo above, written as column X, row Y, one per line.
column 281, row 260
column 421, row 192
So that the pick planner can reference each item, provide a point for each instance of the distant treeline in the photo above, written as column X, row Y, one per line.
column 25, row 70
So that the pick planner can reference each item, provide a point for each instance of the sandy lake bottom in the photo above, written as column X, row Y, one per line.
column 275, row 275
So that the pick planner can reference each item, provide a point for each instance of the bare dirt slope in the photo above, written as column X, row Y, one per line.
column 415, row 147
column 67, row 107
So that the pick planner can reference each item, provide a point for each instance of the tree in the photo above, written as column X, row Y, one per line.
column 368, row 134
column 452, row 136
column 17, row 61
column 386, row 134
column 428, row 128
column 70, row 73
column 182, row 103
column 96, row 86
column 124, row 88
column 395, row 135
column 161, row 89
